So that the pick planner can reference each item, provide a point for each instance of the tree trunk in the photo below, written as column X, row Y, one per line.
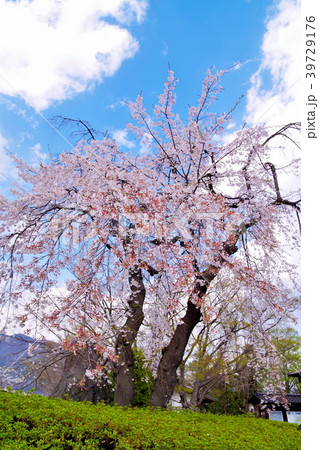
column 172, row 357
column 173, row 354
column 124, row 376
column 201, row 389
column 182, row 391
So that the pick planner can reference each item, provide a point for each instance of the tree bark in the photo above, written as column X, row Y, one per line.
column 166, row 379
column 172, row 357
column 124, row 376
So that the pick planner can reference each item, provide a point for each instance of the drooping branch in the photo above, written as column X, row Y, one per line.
column 282, row 132
column 279, row 199
column 83, row 128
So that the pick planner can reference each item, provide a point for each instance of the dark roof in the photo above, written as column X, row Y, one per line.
column 293, row 398
column 275, row 398
column 296, row 373
column 209, row 399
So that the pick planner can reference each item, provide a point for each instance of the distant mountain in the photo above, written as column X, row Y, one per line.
column 12, row 347
column 17, row 359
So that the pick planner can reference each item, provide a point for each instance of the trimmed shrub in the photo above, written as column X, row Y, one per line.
column 29, row 420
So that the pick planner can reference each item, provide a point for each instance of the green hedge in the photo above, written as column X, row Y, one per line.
column 33, row 421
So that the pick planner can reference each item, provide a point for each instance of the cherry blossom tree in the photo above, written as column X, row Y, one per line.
column 103, row 245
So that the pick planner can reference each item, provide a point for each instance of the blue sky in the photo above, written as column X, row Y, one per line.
column 55, row 62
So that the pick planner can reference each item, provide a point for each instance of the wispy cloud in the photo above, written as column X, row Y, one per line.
column 39, row 155
column 164, row 48
column 52, row 50
column 7, row 169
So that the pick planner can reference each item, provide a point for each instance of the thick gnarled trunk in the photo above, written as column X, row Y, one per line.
column 124, row 376
column 173, row 354
column 172, row 357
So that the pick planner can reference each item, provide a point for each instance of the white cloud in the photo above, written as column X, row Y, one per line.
column 164, row 48
column 53, row 49
column 274, row 96
column 5, row 160
column 116, row 104
column 39, row 156
column 121, row 138
column 8, row 170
